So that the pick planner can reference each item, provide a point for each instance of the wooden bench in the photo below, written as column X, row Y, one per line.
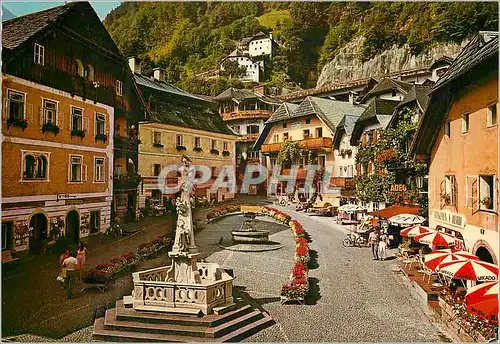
column 7, row 257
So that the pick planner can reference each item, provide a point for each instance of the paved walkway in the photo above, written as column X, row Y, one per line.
column 34, row 302
column 354, row 298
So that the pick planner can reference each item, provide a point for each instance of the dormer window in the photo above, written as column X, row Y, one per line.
column 39, row 54
column 119, row 88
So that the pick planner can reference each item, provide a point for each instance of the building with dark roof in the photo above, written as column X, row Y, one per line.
column 311, row 126
column 458, row 139
column 245, row 111
column 71, row 109
column 180, row 124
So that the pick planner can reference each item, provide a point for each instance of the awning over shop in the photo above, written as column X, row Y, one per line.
column 395, row 210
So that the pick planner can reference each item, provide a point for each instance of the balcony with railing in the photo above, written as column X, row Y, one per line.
column 229, row 116
column 124, row 181
column 318, row 143
column 343, row 182
column 248, row 137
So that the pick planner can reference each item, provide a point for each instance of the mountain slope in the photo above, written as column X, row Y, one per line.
column 188, row 38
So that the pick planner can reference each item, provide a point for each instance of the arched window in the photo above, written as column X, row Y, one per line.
column 78, row 66
column 41, row 167
column 90, row 72
column 29, row 167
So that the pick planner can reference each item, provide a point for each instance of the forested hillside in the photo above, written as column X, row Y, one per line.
column 188, row 38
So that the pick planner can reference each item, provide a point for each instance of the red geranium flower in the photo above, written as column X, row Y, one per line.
column 301, row 250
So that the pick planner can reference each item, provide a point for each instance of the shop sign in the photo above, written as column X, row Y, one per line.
column 398, row 188
column 456, row 220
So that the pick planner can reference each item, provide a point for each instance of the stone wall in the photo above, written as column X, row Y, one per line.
column 348, row 66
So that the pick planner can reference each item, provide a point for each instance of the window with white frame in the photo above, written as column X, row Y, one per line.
column 253, row 154
column 119, row 88
column 49, row 112
column 465, row 123
column 492, row 115
column 276, row 138
column 35, row 166
column 319, row 132
column 224, row 145
column 100, row 124
column 76, row 168
column 39, row 54
column 76, row 118
column 157, row 138
column 252, row 129
column 375, row 206
column 486, row 192
column 99, row 170
column 448, row 188
column 285, row 136
column 179, row 140
column 197, row 142
column 213, row 144
column 16, row 105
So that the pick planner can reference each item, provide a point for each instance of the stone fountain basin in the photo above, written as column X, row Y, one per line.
column 250, row 236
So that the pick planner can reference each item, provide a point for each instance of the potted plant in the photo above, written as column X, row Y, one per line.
column 78, row 132
column 101, row 137
column 214, row 151
column 446, row 198
column 225, row 152
column 158, row 145
column 180, row 148
column 198, row 149
column 50, row 127
column 17, row 122
column 487, row 202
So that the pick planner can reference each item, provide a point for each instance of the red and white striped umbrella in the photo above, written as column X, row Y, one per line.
column 436, row 239
column 435, row 258
column 416, row 230
column 482, row 299
column 475, row 270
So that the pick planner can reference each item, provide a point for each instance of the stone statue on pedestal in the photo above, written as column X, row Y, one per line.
column 184, row 251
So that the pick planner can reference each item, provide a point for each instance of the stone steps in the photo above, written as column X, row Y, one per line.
column 127, row 324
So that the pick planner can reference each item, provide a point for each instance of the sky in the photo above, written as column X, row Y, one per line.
column 20, row 8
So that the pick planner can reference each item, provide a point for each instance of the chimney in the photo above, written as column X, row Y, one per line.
column 135, row 64
column 261, row 89
column 159, row 74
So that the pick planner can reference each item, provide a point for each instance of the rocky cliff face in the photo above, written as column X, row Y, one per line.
column 347, row 65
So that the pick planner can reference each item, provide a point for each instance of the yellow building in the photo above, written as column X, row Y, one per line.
column 312, row 125
column 183, row 124
column 458, row 137
column 60, row 95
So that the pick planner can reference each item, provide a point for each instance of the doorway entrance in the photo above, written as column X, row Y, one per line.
column 73, row 226
column 39, row 224
column 95, row 221
column 484, row 255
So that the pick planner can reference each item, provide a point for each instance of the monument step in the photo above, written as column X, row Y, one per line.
column 102, row 334
column 248, row 330
column 111, row 323
column 235, row 324
column 211, row 320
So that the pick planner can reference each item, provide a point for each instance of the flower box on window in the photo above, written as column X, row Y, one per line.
column 158, row 145
column 198, row 149
column 78, row 132
column 50, row 127
column 180, row 148
column 101, row 137
column 226, row 153
column 16, row 122
column 214, row 151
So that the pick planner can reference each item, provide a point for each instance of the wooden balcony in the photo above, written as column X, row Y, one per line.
column 248, row 138
column 301, row 173
column 229, row 116
column 343, row 182
column 318, row 143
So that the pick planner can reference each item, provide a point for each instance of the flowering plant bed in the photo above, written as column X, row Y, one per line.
column 298, row 287
column 223, row 211
column 276, row 214
column 102, row 273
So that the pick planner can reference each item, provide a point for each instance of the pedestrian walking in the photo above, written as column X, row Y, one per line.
column 382, row 246
column 71, row 265
column 81, row 254
column 62, row 270
column 373, row 240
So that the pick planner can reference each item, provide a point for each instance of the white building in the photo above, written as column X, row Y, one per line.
column 254, row 69
column 262, row 44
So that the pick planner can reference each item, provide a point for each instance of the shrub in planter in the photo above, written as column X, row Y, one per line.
column 180, row 148
column 158, row 145
column 50, row 127
column 226, row 153
column 101, row 137
column 78, row 132
column 16, row 122
column 214, row 151
column 198, row 149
